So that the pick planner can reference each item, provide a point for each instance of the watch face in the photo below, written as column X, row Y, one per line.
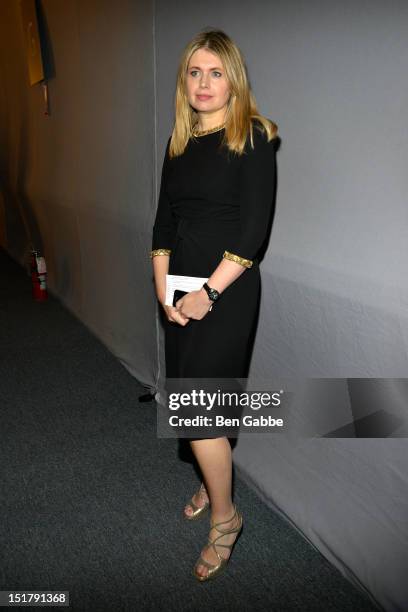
column 213, row 294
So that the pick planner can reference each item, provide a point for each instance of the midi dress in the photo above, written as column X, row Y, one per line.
column 215, row 203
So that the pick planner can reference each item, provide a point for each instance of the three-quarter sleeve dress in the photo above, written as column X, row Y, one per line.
column 215, row 203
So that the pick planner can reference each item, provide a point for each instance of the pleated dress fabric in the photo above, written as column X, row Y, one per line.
column 212, row 200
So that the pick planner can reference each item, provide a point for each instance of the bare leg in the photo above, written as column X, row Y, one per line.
column 215, row 460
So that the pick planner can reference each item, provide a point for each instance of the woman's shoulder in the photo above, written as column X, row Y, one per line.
column 260, row 138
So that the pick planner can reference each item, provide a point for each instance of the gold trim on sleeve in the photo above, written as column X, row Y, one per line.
column 247, row 263
column 159, row 252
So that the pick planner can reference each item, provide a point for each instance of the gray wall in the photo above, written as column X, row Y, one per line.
column 80, row 184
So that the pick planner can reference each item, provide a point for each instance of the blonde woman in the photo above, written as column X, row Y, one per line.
column 214, row 213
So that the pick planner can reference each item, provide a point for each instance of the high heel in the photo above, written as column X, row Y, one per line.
column 215, row 570
column 198, row 511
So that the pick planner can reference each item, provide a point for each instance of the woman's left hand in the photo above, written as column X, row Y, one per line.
column 194, row 305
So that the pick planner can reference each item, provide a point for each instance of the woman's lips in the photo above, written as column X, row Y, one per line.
column 203, row 97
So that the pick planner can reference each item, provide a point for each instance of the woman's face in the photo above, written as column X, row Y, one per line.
column 206, row 76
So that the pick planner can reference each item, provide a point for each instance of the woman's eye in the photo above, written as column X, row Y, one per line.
column 216, row 72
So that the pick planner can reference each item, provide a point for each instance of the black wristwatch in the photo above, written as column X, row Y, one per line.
column 213, row 294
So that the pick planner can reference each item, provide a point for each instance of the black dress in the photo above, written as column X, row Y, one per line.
column 212, row 200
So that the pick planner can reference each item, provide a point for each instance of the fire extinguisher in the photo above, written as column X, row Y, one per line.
column 38, row 276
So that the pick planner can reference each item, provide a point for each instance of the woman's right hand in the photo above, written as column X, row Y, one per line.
column 174, row 316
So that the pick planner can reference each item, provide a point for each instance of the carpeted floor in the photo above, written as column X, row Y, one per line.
column 91, row 499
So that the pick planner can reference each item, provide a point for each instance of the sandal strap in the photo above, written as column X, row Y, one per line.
column 215, row 540
column 224, row 545
column 202, row 561
column 215, row 526
column 214, row 543
column 193, row 505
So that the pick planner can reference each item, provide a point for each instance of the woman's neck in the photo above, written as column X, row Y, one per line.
column 208, row 123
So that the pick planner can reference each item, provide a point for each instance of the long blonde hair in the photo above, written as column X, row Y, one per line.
column 242, row 107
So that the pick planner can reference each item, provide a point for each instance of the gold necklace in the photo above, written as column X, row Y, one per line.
column 210, row 131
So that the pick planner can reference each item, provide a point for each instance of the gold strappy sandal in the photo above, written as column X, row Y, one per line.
column 198, row 511
column 215, row 570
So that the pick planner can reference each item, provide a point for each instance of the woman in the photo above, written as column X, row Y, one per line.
column 214, row 210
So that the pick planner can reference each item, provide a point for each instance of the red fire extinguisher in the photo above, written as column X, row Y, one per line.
column 38, row 276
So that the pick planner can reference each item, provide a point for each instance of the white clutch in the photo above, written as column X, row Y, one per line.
column 184, row 283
